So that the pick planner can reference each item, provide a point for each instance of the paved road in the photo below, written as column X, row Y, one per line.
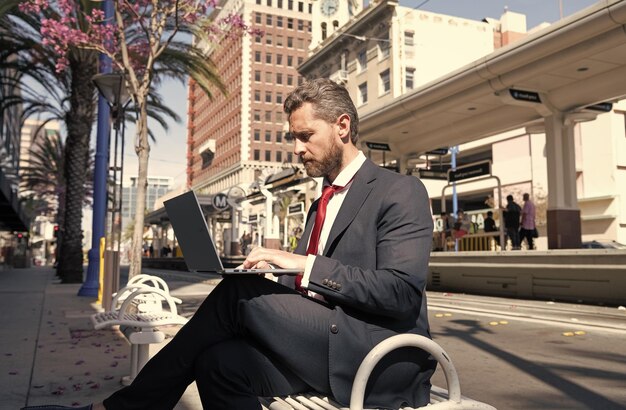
column 517, row 354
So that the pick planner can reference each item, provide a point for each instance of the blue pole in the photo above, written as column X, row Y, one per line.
column 455, row 202
column 92, row 283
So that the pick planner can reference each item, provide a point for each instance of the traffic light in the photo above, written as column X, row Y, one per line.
column 56, row 231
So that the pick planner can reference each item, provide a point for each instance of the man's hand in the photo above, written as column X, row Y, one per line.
column 262, row 258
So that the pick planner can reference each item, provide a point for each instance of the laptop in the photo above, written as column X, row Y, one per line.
column 195, row 240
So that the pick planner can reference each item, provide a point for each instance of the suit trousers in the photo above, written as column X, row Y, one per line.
column 250, row 337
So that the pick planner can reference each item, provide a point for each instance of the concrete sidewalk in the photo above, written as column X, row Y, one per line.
column 51, row 353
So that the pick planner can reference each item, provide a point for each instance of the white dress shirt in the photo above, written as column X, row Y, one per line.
column 334, row 204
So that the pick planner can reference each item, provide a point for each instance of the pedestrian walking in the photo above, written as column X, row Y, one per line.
column 512, row 213
column 528, row 230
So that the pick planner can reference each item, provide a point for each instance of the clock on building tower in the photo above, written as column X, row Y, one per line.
column 329, row 15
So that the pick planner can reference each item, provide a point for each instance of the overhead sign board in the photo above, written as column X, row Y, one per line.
column 253, row 219
column 430, row 174
column 602, row 107
column 297, row 208
column 522, row 95
column 470, row 171
column 438, row 151
column 378, row 146
column 220, row 202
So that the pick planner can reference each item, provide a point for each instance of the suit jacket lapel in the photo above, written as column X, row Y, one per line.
column 358, row 193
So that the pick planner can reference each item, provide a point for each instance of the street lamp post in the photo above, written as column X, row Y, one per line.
column 92, row 284
column 112, row 87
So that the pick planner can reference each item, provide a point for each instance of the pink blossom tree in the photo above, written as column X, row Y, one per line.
column 145, row 45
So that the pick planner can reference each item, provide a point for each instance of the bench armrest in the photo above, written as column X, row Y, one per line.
column 404, row 340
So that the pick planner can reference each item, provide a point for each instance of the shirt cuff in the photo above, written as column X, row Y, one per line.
column 310, row 260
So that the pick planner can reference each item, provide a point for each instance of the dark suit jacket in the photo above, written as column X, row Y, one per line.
column 373, row 273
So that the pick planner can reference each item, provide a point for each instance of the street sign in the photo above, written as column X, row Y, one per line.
column 378, row 146
column 438, row 151
column 429, row 174
column 470, row 171
column 602, row 107
column 253, row 219
column 521, row 95
column 297, row 208
column 220, row 202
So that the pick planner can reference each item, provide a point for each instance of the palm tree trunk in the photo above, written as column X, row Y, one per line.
column 78, row 120
column 143, row 152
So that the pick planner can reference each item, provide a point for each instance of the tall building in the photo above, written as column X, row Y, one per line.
column 239, row 137
column 157, row 187
column 33, row 133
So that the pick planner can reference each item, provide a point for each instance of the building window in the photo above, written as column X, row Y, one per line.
column 279, row 136
column 268, row 39
column 268, row 18
column 268, row 58
column 280, row 6
column 279, row 116
column 269, row 3
column 409, row 38
column 385, row 83
column 383, row 47
column 257, row 75
column 300, row 25
column 279, row 41
column 257, row 135
column 324, row 31
column 268, row 155
column 268, row 77
column 279, row 19
column 290, row 42
column 258, row 18
column 279, row 59
column 279, row 78
column 268, row 116
column 409, row 78
column 279, row 156
column 257, row 154
column 268, row 96
column 257, row 95
column 289, row 61
column 300, row 60
column 290, row 4
column 301, row 7
column 363, row 93
column 257, row 115
column 257, row 56
column 258, row 40
column 362, row 60
column 258, row 2
column 268, row 136
column 289, row 79
column 289, row 22
column 279, row 98
column 289, row 157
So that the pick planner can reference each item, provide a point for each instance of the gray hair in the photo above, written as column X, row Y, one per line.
column 329, row 99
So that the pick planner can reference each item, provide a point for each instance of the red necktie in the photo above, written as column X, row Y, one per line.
column 327, row 192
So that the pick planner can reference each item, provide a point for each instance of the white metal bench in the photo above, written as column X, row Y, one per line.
column 138, row 316
column 439, row 398
column 145, row 302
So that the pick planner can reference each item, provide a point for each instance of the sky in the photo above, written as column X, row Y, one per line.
column 168, row 154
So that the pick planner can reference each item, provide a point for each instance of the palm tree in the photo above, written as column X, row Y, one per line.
column 68, row 96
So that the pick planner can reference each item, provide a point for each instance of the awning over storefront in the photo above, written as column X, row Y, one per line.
column 12, row 217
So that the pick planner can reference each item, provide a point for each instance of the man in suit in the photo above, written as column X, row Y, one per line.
column 362, row 281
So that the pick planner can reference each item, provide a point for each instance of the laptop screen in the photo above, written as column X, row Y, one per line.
column 192, row 233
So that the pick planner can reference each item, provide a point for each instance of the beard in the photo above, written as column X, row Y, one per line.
column 327, row 165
